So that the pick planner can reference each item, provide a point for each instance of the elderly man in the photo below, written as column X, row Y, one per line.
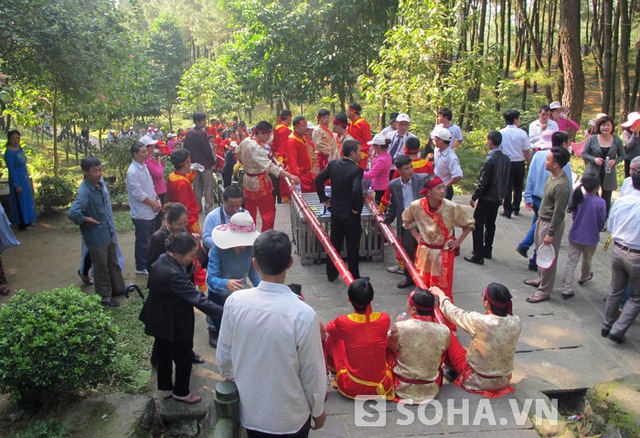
column 144, row 202
column 624, row 223
column 398, row 138
column 447, row 164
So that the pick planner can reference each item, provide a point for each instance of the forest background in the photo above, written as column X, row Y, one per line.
column 111, row 64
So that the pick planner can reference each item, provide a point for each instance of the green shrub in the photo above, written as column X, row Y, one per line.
column 53, row 343
column 55, row 192
column 52, row 428
column 116, row 158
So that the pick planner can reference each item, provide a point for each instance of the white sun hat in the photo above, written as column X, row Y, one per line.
column 240, row 231
column 546, row 256
column 632, row 118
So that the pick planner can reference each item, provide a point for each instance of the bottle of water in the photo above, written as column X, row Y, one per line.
column 607, row 168
column 197, row 166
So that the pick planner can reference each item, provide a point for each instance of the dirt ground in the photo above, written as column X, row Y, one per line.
column 49, row 256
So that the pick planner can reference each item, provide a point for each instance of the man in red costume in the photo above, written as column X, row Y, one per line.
column 357, row 344
column 279, row 146
column 360, row 130
column 179, row 187
column 257, row 185
column 301, row 156
column 212, row 129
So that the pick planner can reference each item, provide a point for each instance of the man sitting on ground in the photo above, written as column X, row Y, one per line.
column 486, row 368
column 356, row 346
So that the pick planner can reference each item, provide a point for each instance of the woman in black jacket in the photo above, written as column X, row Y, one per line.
column 168, row 316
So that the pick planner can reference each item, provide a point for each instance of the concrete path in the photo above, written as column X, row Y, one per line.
column 560, row 347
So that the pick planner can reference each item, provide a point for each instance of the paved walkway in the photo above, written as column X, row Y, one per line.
column 560, row 346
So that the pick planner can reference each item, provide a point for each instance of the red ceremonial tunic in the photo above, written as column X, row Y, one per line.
column 278, row 145
column 361, row 132
column 179, row 190
column 300, row 162
column 356, row 347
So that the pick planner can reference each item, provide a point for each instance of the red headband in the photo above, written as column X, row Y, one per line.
column 300, row 121
column 431, row 184
column 339, row 122
column 508, row 306
column 421, row 308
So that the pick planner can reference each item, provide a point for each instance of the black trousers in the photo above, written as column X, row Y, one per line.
column 449, row 193
column 302, row 433
column 485, row 230
column 351, row 229
column 515, row 186
column 410, row 245
column 169, row 353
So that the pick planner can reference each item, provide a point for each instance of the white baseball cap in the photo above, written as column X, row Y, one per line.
column 442, row 133
column 402, row 117
column 378, row 139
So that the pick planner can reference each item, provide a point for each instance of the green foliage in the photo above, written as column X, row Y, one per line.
column 52, row 428
column 54, row 342
column 116, row 159
column 472, row 153
column 54, row 192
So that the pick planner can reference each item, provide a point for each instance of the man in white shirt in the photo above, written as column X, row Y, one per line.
column 398, row 138
column 624, row 223
column 627, row 185
column 544, row 123
column 270, row 328
column 393, row 124
column 445, row 117
column 143, row 201
column 446, row 162
column 516, row 146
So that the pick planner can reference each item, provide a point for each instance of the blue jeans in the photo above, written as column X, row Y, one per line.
column 144, row 230
column 528, row 239
column 218, row 297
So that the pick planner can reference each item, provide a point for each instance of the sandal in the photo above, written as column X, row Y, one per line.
column 585, row 280
column 533, row 283
column 567, row 296
column 535, row 299
column 197, row 358
column 85, row 279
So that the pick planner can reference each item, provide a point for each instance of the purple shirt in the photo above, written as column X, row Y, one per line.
column 588, row 220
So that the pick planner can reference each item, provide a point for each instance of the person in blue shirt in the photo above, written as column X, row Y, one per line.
column 92, row 211
column 230, row 264
column 231, row 204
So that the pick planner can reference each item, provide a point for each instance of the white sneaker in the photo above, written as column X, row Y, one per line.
column 395, row 269
column 143, row 272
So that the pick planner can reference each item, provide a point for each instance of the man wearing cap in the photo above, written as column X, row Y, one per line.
column 179, row 187
column 345, row 205
column 257, row 185
column 445, row 117
column 197, row 143
column 516, row 146
column 534, row 189
column 143, row 201
column 489, row 193
column 398, row 138
column 360, row 130
column 326, row 141
column 631, row 139
column 550, row 226
column 393, row 124
column 558, row 114
column 624, row 223
column 300, row 156
column 230, row 264
column 446, row 162
column 537, row 127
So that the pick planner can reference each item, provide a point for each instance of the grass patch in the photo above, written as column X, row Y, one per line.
column 133, row 370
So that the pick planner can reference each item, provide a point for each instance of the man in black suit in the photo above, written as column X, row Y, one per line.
column 345, row 204
column 404, row 190
column 491, row 190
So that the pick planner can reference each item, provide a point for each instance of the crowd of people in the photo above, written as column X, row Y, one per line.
column 340, row 159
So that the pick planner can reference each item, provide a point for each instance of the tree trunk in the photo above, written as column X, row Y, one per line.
column 607, row 72
column 508, row 51
column 571, row 59
column 635, row 99
column 614, row 59
column 75, row 142
column 54, row 116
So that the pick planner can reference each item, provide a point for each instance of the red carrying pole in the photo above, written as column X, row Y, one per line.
column 393, row 240
column 320, row 234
